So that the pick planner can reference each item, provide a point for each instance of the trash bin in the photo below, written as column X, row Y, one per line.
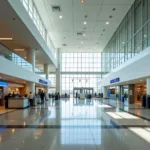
column 144, row 101
column 122, row 98
column 148, row 101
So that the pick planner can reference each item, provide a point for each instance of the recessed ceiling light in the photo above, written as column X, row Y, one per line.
column 107, row 22
column 6, row 39
column 60, row 17
column 84, row 22
column 81, row 42
column 84, row 34
column 145, row 35
column 82, row 1
column 123, row 42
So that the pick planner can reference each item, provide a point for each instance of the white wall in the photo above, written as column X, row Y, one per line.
column 24, row 16
column 9, row 68
column 136, row 68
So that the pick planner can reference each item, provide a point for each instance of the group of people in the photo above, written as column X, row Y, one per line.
column 40, row 96
column 55, row 96
column 90, row 95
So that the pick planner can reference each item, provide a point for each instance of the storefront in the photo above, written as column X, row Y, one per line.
column 140, row 91
column 3, row 91
column 16, row 88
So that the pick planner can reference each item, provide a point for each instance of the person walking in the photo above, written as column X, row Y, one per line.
column 30, row 98
column 42, row 97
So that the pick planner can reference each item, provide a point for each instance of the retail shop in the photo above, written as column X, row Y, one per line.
column 3, row 91
column 16, row 88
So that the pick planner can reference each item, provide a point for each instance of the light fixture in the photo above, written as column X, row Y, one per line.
column 107, row 22
column 60, row 17
column 141, row 80
column 81, row 42
column 25, row 57
column 84, row 34
column 82, row 1
column 84, row 22
column 19, row 49
column 145, row 35
column 6, row 39
column 122, row 42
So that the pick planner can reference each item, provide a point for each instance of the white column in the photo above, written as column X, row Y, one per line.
column 31, row 58
column 30, row 87
column 58, row 72
column 148, row 86
column 105, row 92
column 46, row 70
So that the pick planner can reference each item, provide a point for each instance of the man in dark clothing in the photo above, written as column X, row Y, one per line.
column 42, row 97
column 76, row 95
column 56, row 97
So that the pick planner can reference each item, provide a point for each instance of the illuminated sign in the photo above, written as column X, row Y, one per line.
column 115, row 80
column 4, row 84
column 43, row 82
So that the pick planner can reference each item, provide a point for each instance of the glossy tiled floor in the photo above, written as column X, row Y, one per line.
column 3, row 110
column 75, row 125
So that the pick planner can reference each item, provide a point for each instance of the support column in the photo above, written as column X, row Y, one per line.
column 104, row 89
column 131, row 93
column 121, row 91
column 31, row 58
column 148, row 86
column 30, row 87
column 58, row 72
column 46, row 70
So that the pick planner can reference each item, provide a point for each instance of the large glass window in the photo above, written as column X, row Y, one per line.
column 80, row 70
column 81, row 62
column 131, row 37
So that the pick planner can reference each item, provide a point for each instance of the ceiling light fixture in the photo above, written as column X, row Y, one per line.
column 85, row 23
column 82, row 1
column 81, row 42
column 107, row 23
column 84, row 34
column 19, row 49
column 60, row 17
column 6, row 39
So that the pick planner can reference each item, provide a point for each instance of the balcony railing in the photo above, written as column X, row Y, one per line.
column 8, row 54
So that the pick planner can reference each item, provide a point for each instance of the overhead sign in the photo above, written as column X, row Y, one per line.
column 4, row 84
column 115, row 80
column 43, row 82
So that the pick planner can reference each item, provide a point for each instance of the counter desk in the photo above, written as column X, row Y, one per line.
column 18, row 103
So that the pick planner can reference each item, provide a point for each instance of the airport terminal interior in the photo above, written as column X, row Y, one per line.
column 74, row 74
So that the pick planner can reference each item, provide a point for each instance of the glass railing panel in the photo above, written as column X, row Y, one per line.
column 8, row 54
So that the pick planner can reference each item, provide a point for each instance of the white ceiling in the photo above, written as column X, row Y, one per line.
column 73, row 12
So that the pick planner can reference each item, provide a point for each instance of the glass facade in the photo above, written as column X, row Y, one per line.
column 34, row 15
column 131, row 37
column 81, row 62
column 80, row 70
